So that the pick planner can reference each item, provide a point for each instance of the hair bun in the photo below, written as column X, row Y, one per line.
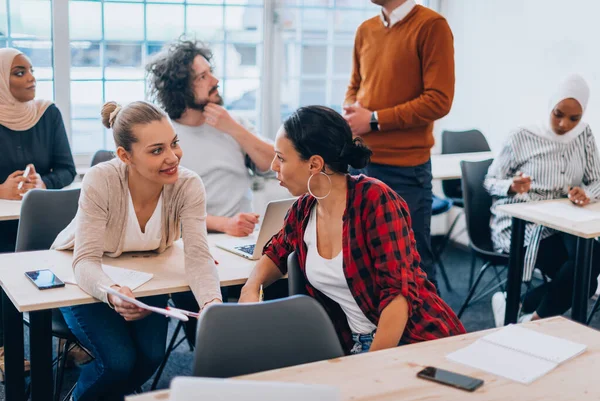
column 356, row 153
column 109, row 113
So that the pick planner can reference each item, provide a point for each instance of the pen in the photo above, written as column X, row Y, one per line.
column 261, row 295
column 25, row 175
column 216, row 261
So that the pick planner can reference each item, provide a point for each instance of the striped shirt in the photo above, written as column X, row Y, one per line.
column 554, row 167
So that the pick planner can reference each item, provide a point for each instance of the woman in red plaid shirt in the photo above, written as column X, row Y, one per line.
column 353, row 238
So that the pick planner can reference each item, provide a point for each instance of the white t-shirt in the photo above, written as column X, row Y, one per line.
column 327, row 276
column 220, row 161
column 149, row 240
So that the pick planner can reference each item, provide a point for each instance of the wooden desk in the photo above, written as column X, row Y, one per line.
column 586, row 231
column 447, row 167
column 391, row 374
column 11, row 209
column 20, row 295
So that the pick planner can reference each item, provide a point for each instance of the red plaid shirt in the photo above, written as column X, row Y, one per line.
column 380, row 262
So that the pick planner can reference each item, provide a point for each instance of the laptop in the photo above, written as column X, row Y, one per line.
column 200, row 388
column 272, row 221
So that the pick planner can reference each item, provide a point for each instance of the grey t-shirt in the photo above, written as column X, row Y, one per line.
column 220, row 161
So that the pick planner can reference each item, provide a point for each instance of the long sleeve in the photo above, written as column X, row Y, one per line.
column 91, row 221
column 355, row 78
column 437, row 65
column 591, row 174
column 499, row 177
column 63, row 168
column 200, row 268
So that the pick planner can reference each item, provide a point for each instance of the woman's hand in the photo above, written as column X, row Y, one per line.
column 10, row 188
column 33, row 181
column 578, row 197
column 129, row 311
column 521, row 184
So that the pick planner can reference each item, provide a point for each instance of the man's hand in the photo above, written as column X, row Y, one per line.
column 358, row 118
column 241, row 225
column 10, row 188
column 216, row 116
column 33, row 181
column 578, row 197
column 129, row 311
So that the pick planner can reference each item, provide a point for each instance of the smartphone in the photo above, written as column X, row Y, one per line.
column 450, row 378
column 44, row 279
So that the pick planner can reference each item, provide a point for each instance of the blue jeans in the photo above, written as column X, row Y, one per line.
column 362, row 342
column 126, row 353
column 413, row 184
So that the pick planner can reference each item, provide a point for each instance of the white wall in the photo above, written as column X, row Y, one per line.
column 510, row 54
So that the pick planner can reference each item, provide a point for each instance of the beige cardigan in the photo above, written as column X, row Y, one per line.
column 99, row 228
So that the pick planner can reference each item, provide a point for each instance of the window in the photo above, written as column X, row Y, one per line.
column 111, row 42
column 306, row 44
column 27, row 26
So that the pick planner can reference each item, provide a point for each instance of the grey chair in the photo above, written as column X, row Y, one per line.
column 44, row 214
column 239, row 339
column 470, row 141
column 102, row 156
column 477, row 213
column 296, row 279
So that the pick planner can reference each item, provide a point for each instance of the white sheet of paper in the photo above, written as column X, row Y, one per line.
column 501, row 361
column 139, row 304
column 568, row 211
column 124, row 277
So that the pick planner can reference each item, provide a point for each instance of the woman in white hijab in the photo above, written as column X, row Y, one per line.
column 556, row 158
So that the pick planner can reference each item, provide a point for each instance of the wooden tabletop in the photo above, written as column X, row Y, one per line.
column 168, row 270
column 391, row 374
column 447, row 167
column 555, row 214
column 11, row 209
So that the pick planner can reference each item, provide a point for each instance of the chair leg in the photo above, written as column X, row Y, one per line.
column 170, row 349
column 472, row 273
column 438, row 261
column 446, row 238
column 473, row 288
column 60, row 370
column 593, row 311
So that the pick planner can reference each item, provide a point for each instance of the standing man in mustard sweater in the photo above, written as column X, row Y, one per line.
column 402, row 81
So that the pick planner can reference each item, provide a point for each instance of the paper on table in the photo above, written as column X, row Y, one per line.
column 124, row 277
column 162, row 311
column 567, row 211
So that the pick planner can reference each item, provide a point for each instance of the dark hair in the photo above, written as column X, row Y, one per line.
column 319, row 130
column 170, row 75
column 123, row 119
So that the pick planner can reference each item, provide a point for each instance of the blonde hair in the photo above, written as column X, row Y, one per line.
column 122, row 120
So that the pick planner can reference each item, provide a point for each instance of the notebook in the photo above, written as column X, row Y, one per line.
column 517, row 353
column 200, row 388
column 124, row 277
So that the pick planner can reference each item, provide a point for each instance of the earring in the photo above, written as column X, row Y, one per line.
column 311, row 193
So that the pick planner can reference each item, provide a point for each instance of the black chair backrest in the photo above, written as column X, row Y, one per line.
column 238, row 339
column 461, row 142
column 296, row 280
column 44, row 214
column 102, row 156
column 477, row 203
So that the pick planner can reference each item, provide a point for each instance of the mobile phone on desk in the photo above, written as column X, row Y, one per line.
column 448, row 378
column 44, row 279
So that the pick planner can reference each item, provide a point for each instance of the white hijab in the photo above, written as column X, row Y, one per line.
column 574, row 87
column 15, row 115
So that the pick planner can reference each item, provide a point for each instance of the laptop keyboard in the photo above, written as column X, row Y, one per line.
column 249, row 249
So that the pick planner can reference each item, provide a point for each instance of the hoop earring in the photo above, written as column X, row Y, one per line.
column 311, row 193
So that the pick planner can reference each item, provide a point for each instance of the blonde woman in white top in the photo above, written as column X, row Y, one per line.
column 140, row 201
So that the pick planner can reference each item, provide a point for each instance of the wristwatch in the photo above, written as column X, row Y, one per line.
column 374, row 122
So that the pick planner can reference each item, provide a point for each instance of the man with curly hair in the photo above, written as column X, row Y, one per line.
column 219, row 147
